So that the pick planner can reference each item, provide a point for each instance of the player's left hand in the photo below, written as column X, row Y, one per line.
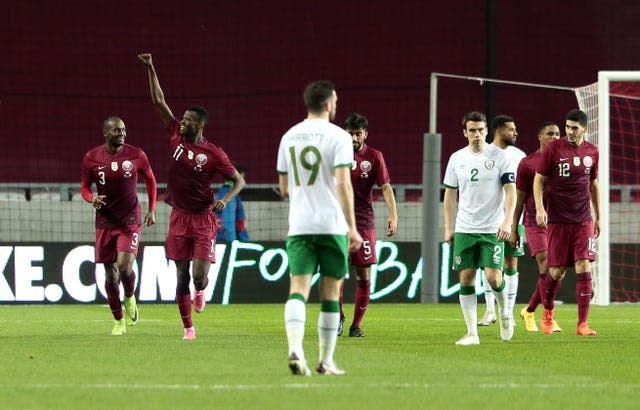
column 219, row 205
column 392, row 226
column 150, row 218
column 596, row 228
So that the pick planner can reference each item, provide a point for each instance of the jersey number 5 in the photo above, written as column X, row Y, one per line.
column 309, row 159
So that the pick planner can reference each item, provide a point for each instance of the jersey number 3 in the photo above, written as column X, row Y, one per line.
column 309, row 159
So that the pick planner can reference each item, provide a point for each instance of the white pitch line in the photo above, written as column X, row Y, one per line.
column 112, row 386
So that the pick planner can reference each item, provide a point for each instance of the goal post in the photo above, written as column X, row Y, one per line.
column 601, row 136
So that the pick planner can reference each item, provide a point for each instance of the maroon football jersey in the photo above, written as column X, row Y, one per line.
column 569, row 171
column 369, row 168
column 116, row 177
column 524, row 182
column 192, row 170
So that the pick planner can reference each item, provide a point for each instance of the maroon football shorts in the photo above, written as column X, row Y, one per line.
column 366, row 255
column 569, row 243
column 191, row 236
column 111, row 241
column 536, row 239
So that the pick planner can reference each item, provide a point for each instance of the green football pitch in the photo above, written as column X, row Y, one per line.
column 62, row 357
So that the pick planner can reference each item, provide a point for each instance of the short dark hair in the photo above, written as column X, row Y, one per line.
column 500, row 121
column 203, row 114
column 316, row 94
column 356, row 121
column 474, row 116
column 110, row 119
column 546, row 124
column 578, row 116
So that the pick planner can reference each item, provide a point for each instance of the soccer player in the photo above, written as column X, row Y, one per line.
column 314, row 161
column 536, row 236
column 567, row 175
column 369, row 169
column 504, row 137
column 231, row 223
column 194, row 163
column 114, row 167
column 483, row 175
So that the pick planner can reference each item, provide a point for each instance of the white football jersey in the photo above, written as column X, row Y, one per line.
column 479, row 179
column 515, row 156
column 309, row 153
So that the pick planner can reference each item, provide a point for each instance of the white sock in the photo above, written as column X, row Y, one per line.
column 295, row 315
column 489, row 299
column 511, row 289
column 469, row 305
column 501, row 298
column 327, row 335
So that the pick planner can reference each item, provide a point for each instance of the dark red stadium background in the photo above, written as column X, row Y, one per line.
column 67, row 65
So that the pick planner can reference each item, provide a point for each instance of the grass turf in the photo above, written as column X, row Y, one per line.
column 62, row 357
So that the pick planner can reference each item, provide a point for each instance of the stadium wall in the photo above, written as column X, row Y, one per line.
column 67, row 65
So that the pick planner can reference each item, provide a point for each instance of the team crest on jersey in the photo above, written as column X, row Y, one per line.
column 365, row 167
column 201, row 159
column 114, row 166
column 127, row 166
column 489, row 164
column 576, row 161
column 587, row 161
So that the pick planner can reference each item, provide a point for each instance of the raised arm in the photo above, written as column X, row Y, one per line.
column 344, row 190
column 157, row 96
column 390, row 200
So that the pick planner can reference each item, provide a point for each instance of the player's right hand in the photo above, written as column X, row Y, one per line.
column 355, row 240
column 146, row 59
column 448, row 236
column 541, row 218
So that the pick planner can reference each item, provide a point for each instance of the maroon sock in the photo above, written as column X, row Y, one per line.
column 362, row 301
column 535, row 296
column 341, row 300
column 184, row 305
column 113, row 296
column 128, row 283
column 549, row 291
column 583, row 295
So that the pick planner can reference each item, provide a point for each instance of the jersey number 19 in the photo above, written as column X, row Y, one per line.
column 309, row 159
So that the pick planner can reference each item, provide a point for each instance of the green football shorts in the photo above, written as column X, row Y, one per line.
column 326, row 254
column 509, row 250
column 477, row 250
